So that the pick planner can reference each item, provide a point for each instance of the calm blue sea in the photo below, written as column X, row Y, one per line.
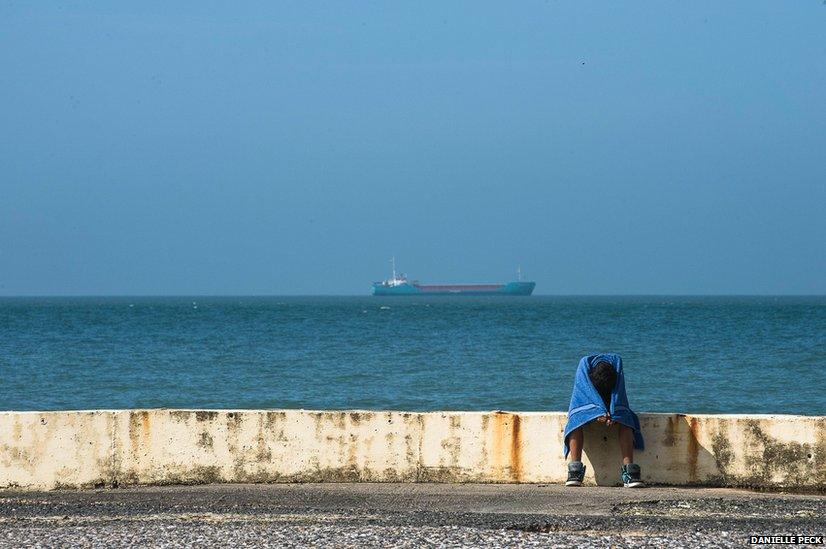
column 682, row 354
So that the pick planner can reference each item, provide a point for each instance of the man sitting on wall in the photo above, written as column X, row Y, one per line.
column 599, row 395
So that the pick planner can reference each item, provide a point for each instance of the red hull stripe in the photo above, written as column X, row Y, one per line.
column 458, row 287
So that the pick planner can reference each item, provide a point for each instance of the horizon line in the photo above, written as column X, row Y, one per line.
column 125, row 295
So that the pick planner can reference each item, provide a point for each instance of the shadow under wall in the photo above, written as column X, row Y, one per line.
column 672, row 455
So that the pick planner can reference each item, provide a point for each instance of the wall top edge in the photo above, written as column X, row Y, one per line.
column 429, row 413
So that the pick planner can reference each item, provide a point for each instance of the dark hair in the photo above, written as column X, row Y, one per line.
column 604, row 377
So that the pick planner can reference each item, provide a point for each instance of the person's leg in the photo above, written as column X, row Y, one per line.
column 576, row 470
column 626, row 444
column 630, row 472
column 575, row 440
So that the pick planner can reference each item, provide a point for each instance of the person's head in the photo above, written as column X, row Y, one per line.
column 604, row 378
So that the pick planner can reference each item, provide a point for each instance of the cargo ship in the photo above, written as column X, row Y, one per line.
column 399, row 285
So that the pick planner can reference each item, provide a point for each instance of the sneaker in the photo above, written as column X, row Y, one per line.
column 631, row 476
column 576, row 474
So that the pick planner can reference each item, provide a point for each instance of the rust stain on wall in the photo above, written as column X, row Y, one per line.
column 506, row 447
column 498, row 461
column 145, row 424
column 693, row 448
column 516, row 448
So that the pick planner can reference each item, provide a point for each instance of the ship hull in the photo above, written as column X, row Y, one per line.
column 407, row 288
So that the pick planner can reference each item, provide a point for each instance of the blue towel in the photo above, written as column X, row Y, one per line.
column 587, row 405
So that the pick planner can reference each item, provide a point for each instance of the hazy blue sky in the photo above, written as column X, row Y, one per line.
column 293, row 147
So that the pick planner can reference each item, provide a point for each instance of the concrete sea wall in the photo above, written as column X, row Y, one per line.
column 47, row 450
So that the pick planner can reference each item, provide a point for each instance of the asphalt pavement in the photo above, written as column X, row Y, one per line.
column 403, row 515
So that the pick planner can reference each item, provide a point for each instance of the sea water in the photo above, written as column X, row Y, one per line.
column 681, row 354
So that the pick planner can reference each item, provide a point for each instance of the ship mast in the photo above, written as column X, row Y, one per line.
column 519, row 273
column 393, row 261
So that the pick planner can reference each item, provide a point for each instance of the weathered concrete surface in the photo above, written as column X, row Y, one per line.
column 402, row 515
column 47, row 450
